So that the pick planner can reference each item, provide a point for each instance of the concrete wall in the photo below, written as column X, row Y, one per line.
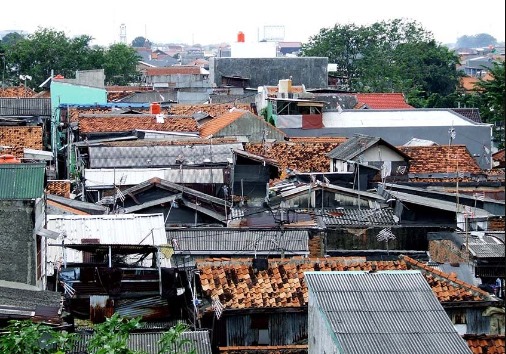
column 310, row 72
column 17, row 242
column 320, row 336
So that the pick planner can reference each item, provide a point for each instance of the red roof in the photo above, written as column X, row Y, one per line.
column 173, row 70
column 123, row 123
column 382, row 101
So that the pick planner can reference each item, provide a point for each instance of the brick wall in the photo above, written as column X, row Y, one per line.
column 443, row 251
column 18, row 138
column 496, row 224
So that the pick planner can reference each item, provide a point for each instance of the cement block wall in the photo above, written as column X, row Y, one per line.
column 308, row 71
column 17, row 242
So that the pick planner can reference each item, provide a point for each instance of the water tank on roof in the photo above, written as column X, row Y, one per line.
column 240, row 37
column 285, row 86
column 155, row 108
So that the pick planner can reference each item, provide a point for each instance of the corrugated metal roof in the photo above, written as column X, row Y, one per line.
column 133, row 176
column 353, row 147
column 155, row 156
column 368, row 216
column 25, row 106
column 383, row 312
column 239, row 241
column 148, row 342
column 127, row 229
column 21, row 181
column 484, row 246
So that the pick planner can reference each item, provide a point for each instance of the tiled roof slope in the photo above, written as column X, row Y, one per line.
column 157, row 142
column 16, row 92
column 215, row 125
column 18, row 138
column 446, row 286
column 238, row 285
column 470, row 113
column 214, row 110
column 122, row 123
column 486, row 344
column 498, row 157
column 299, row 155
column 382, row 101
column 440, row 159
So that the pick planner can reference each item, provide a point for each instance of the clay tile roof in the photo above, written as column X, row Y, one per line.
column 16, row 92
column 489, row 344
column 382, row 101
column 217, row 124
column 18, row 138
column 173, row 70
column 499, row 158
column 213, row 110
column 124, row 123
column 440, row 159
column 297, row 154
column 447, row 287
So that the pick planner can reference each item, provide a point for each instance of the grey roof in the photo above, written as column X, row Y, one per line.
column 164, row 155
column 89, row 208
column 357, row 144
column 148, row 342
column 363, row 216
column 239, row 241
column 23, row 296
column 482, row 245
column 149, row 96
column 470, row 113
column 22, row 181
column 382, row 312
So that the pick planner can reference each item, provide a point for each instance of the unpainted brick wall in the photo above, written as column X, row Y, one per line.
column 18, row 138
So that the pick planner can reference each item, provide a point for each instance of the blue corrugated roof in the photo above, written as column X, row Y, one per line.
column 21, row 181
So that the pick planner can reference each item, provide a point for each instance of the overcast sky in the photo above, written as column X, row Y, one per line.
column 212, row 22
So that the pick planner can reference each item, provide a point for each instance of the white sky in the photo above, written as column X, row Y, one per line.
column 212, row 22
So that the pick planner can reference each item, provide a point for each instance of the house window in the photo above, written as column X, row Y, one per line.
column 261, row 324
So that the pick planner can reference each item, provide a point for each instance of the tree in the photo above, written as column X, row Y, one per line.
column 493, row 94
column 172, row 342
column 29, row 337
column 141, row 42
column 11, row 38
column 388, row 56
column 476, row 41
column 111, row 336
column 120, row 65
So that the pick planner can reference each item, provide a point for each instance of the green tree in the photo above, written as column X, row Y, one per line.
column 23, row 337
column 141, row 42
column 11, row 38
column 173, row 343
column 493, row 95
column 476, row 41
column 120, row 65
column 111, row 336
column 388, row 56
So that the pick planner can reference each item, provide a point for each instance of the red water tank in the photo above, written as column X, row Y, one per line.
column 240, row 37
column 155, row 108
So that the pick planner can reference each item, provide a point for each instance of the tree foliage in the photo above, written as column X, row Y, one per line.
column 48, row 50
column 493, row 96
column 141, row 42
column 23, row 337
column 111, row 336
column 172, row 342
column 476, row 41
column 388, row 56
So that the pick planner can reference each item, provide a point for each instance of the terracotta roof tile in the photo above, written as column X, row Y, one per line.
column 123, row 123
column 486, row 344
column 18, row 138
column 214, row 110
column 16, row 92
column 239, row 286
column 217, row 124
column 382, row 101
column 440, row 159
column 299, row 155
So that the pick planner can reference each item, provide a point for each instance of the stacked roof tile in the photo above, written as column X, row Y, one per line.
column 122, row 123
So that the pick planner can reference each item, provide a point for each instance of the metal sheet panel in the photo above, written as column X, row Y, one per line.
column 157, row 156
column 382, row 312
column 125, row 176
column 25, row 106
column 21, row 181
column 127, row 229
